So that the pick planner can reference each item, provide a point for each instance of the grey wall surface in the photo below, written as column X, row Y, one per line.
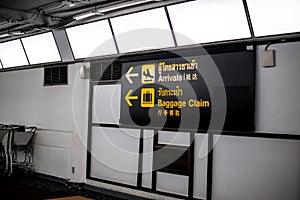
column 24, row 100
column 60, row 113
column 255, row 168
column 277, row 91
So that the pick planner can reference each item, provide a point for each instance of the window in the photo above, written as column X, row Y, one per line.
column 56, row 76
column 271, row 17
column 93, row 39
column 41, row 48
column 204, row 21
column 12, row 54
column 143, row 30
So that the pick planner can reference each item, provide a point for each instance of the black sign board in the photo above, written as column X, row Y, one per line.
column 176, row 92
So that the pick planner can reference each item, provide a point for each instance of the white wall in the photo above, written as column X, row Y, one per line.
column 277, row 91
column 80, row 105
column 24, row 100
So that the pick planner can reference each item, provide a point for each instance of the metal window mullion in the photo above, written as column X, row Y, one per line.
column 25, row 51
column 113, row 34
column 250, row 25
column 1, row 64
column 171, row 26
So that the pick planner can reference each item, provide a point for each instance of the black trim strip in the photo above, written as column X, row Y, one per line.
column 179, row 52
column 107, row 125
column 246, row 8
column 25, row 51
column 89, row 139
column 171, row 26
column 209, row 167
column 191, row 163
column 1, row 64
column 154, row 172
column 253, row 88
column 140, row 162
column 113, row 34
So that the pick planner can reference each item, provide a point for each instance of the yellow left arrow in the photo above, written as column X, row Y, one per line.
column 128, row 97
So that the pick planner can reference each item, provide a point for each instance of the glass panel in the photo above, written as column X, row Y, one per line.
column 174, row 138
column 93, row 39
column 115, row 154
column 205, row 21
column 143, row 30
column 106, row 106
column 41, row 48
column 200, row 166
column 271, row 17
column 148, row 139
column 179, row 183
column 12, row 54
